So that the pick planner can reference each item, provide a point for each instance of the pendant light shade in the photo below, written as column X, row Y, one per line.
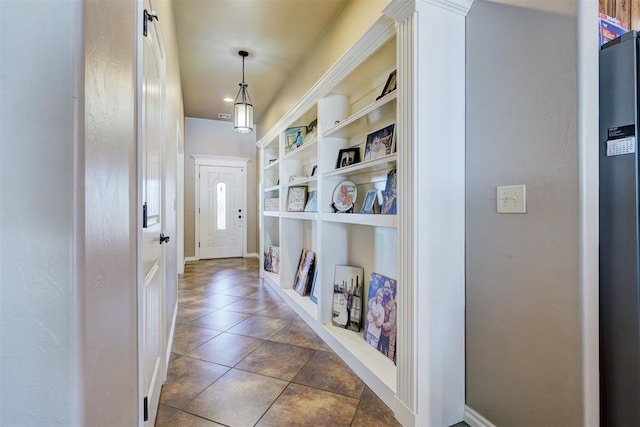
column 243, row 119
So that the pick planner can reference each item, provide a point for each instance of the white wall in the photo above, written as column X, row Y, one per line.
column 523, row 320
column 217, row 138
column 40, row 64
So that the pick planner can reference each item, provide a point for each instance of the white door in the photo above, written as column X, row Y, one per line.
column 221, row 211
column 151, row 310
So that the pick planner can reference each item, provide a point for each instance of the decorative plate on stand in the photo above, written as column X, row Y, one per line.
column 344, row 196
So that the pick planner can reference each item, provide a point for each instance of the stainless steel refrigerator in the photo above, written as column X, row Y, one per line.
column 619, row 234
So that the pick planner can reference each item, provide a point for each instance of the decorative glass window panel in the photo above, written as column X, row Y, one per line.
column 221, row 192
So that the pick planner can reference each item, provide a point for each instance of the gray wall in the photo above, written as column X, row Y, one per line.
column 217, row 138
column 523, row 332
column 39, row 65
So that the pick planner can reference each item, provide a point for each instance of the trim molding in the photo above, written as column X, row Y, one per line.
column 170, row 340
column 191, row 259
column 252, row 255
column 461, row 7
column 381, row 30
column 474, row 419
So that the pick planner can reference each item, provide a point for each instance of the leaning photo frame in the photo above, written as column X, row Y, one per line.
column 348, row 157
column 390, row 86
column 296, row 198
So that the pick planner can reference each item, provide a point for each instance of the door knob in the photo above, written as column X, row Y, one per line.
column 163, row 238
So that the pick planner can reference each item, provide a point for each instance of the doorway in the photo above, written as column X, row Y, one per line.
column 221, row 193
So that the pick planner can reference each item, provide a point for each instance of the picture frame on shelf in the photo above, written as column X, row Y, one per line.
column 348, row 157
column 369, row 202
column 390, row 86
column 294, row 138
column 272, row 259
column 296, row 198
column 306, row 267
column 380, row 321
column 380, row 143
column 389, row 195
column 348, row 287
column 315, row 293
column 311, row 127
column 312, row 202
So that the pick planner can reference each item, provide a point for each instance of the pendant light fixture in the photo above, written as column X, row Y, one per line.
column 243, row 121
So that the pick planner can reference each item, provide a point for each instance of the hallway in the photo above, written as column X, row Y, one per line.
column 242, row 357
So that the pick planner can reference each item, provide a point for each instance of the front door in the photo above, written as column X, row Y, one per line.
column 221, row 211
column 152, row 251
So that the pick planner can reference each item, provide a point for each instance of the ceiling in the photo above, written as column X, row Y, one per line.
column 276, row 33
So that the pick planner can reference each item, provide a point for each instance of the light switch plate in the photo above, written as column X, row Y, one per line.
column 511, row 199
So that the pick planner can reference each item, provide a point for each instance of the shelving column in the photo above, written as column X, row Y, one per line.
column 431, row 197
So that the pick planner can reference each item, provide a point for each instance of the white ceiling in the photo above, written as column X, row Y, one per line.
column 276, row 33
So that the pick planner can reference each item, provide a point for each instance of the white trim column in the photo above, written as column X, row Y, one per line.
column 431, row 186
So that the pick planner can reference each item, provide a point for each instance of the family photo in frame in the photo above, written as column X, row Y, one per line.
column 380, row 143
column 348, row 157
column 380, row 321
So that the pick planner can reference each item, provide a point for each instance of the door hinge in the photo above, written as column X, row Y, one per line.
column 145, row 404
column 144, row 215
column 198, row 244
column 146, row 18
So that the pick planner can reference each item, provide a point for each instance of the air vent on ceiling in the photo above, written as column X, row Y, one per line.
column 224, row 116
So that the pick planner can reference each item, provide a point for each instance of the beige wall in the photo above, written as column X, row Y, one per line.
column 356, row 17
column 523, row 331
column 217, row 138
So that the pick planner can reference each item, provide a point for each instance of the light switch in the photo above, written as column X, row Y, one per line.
column 511, row 199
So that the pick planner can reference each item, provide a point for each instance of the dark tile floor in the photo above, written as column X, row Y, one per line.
column 242, row 357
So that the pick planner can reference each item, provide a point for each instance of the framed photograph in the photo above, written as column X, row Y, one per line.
column 348, row 287
column 380, row 321
column 315, row 291
column 389, row 195
column 312, row 202
column 390, row 86
column 272, row 259
column 379, row 143
column 294, row 138
column 314, row 170
column 311, row 127
column 348, row 157
column 369, row 200
column 304, row 274
column 296, row 198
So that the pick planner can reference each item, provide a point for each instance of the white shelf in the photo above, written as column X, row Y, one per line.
column 376, row 362
column 310, row 216
column 272, row 165
column 360, row 122
column 383, row 163
column 306, row 180
column 274, row 214
column 374, row 220
column 272, row 188
column 305, row 153
column 305, row 303
column 272, row 277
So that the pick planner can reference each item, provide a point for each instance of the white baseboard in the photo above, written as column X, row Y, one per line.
column 403, row 414
column 170, row 338
column 252, row 255
column 474, row 419
column 191, row 259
